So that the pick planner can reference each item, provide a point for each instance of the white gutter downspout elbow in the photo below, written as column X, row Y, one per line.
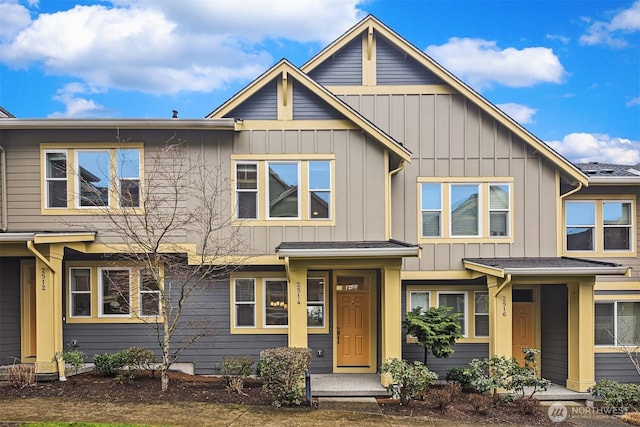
column 507, row 280
column 3, row 165
column 568, row 193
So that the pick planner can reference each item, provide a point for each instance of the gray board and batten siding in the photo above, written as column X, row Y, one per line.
column 10, row 350
column 554, row 347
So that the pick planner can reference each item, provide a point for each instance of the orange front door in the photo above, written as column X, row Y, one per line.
column 352, row 332
column 523, row 329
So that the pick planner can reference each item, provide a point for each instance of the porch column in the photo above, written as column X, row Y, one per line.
column 580, row 335
column 500, row 316
column 48, row 307
column 392, row 312
column 297, row 276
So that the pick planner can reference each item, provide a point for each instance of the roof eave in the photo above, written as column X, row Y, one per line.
column 38, row 238
column 208, row 124
column 571, row 271
column 413, row 251
column 611, row 180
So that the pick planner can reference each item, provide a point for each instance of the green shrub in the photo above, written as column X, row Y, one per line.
column 110, row 364
column 407, row 380
column 623, row 397
column 461, row 376
column 282, row 371
column 235, row 370
column 141, row 359
column 75, row 358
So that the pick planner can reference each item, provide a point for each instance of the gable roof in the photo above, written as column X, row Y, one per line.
column 371, row 24
column 284, row 67
column 609, row 173
column 4, row 114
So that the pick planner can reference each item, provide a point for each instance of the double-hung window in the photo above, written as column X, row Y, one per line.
column 247, row 190
column 617, row 323
column 464, row 210
column 115, row 291
column 457, row 302
column 316, row 312
column 245, row 303
column 481, row 313
column 319, row 189
column 80, row 292
column 149, row 293
column 599, row 226
column 128, row 176
column 56, row 179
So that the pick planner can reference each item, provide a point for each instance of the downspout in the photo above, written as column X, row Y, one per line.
column 568, row 193
column 388, row 221
column 398, row 169
column 505, row 282
column 57, row 330
column 3, row 166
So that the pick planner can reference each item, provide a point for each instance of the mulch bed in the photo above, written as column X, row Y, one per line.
column 196, row 388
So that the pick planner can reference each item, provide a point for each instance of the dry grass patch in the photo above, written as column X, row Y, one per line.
column 632, row 418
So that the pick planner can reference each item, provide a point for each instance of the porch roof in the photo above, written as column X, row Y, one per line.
column 39, row 237
column 545, row 266
column 360, row 248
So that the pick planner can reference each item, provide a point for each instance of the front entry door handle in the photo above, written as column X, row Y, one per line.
column 338, row 334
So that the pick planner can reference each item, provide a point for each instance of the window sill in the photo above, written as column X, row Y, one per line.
column 601, row 254
column 143, row 320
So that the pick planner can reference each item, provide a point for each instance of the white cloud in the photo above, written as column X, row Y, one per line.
column 560, row 38
column 165, row 47
column 612, row 33
column 588, row 147
column 75, row 106
column 13, row 18
column 481, row 63
column 518, row 112
column 633, row 102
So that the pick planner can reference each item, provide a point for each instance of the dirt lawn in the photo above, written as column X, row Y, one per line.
column 92, row 388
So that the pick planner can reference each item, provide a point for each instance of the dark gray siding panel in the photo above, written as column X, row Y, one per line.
column 342, row 69
column 324, row 363
column 9, row 310
column 307, row 105
column 460, row 358
column 263, row 105
column 616, row 367
column 554, row 338
column 396, row 68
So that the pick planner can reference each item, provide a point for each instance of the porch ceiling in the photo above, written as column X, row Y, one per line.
column 341, row 249
column 546, row 266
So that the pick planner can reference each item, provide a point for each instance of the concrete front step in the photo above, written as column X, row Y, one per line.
column 351, row 404
column 347, row 385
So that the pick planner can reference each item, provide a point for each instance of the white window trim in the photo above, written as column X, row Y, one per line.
column 246, row 190
column 264, row 301
column 299, row 189
column 78, row 178
column 319, row 190
column 466, row 307
column 594, row 226
column 439, row 210
column 72, row 293
column 141, row 292
column 101, row 293
column 507, row 210
column 47, row 180
column 480, row 220
column 476, row 313
column 631, row 225
column 322, row 303
column 119, row 179
column 236, row 303
column 616, row 342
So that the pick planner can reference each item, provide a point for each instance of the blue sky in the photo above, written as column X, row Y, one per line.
column 569, row 71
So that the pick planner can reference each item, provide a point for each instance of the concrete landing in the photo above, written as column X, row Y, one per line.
column 346, row 385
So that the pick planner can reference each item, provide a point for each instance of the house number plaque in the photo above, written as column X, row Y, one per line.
column 504, row 306
column 44, row 286
column 298, row 287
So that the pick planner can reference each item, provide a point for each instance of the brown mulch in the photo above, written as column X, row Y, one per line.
column 187, row 388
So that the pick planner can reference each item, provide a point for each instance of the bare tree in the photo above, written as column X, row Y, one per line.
column 176, row 226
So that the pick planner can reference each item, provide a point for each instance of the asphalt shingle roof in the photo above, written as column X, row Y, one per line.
column 608, row 169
